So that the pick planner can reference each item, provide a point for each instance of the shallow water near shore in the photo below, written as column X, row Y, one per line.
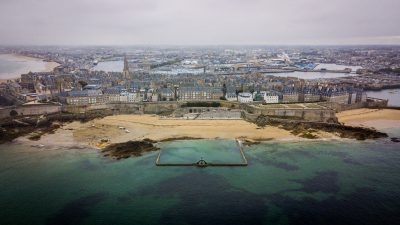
column 12, row 66
column 191, row 151
column 315, row 182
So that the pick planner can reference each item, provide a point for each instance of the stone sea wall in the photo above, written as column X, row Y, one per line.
column 326, row 114
column 31, row 110
column 125, row 108
column 316, row 115
column 341, row 107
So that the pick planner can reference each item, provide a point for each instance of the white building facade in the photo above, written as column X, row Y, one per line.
column 245, row 97
column 270, row 97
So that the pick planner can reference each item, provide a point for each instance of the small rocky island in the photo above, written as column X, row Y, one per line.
column 128, row 149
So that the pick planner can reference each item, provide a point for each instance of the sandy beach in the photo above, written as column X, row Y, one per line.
column 26, row 64
column 122, row 128
column 138, row 127
column 376, row 118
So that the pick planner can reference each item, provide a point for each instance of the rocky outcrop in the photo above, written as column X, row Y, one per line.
column 307, row 130
column 128, row 149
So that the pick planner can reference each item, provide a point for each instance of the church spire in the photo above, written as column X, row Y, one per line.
column 126, row 69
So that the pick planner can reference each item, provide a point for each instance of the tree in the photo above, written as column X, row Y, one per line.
column 13, row 113
column 224, row 89
column 82, row 83
column 251, row 89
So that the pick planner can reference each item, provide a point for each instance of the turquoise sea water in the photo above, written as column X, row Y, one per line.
column 318, row 182
column 192, row 151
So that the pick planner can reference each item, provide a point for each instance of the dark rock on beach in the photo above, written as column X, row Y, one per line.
column 395, row 139
column 305, row 129
column 33, row 128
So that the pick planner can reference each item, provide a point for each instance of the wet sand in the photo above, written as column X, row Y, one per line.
column 376, row 118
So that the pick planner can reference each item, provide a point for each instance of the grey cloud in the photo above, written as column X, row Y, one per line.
column 199, row 22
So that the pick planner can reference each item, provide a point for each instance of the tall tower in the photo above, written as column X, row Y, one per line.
column 125, row 73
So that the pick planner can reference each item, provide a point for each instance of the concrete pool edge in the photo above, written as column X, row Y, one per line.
column 203, row 163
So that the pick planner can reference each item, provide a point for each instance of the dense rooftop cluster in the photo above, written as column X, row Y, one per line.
column 214, row 73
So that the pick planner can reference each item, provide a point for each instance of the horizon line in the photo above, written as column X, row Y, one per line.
column 197, row 45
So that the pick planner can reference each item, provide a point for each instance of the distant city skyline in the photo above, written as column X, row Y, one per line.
column 206, row 22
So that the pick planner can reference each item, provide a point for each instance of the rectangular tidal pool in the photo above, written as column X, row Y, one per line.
column 190, row 151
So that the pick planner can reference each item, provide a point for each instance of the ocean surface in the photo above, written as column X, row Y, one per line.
column 12, row 66
column 393, row 95
column 312, row 182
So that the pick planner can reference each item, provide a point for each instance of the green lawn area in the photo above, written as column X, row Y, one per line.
column 291, row 106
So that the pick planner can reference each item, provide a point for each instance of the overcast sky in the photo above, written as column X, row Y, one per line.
column 199, row 22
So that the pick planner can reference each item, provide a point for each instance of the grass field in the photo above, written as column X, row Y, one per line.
column 292, row 106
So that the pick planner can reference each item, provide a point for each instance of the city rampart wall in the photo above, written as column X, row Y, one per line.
column 31, row 110
column 317, row 115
